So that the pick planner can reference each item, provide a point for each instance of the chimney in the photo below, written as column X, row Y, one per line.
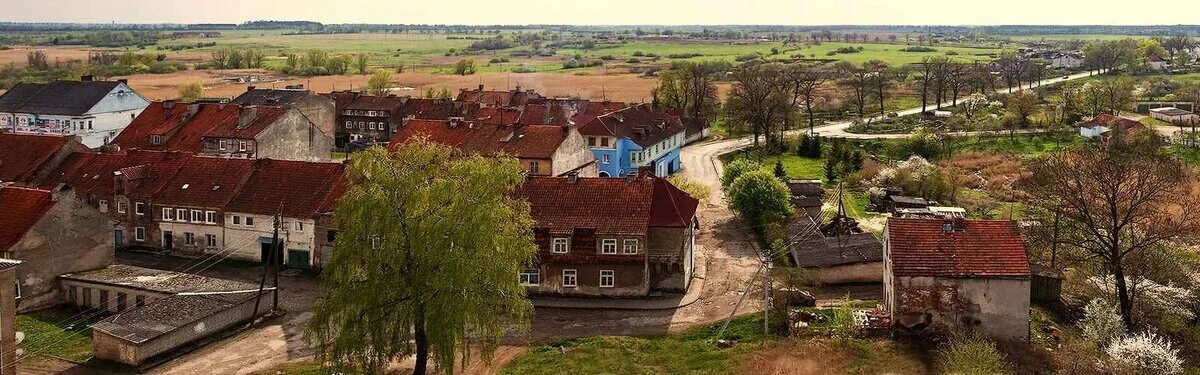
column 455, row 121
column 123, row 80
column 246, row 115
column 191, row 111
column 481, row 87
column 87, row 78
column 250, row 88
column 168, row 104
column 518, row 88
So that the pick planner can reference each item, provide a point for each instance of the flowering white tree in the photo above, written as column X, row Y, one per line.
column 1145, row 353
column 1101, row 322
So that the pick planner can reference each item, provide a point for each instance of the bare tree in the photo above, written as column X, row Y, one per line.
column 802, row 81
column 1115, row 202
column 756, row 98
column 856, row 79
column 882, row 78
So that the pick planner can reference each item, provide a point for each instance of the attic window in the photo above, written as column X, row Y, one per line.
column 215, row 187
column 185, row 186
column 156, row 139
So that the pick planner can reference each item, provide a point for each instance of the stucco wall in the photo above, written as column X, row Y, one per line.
column 246, row 240
column 996, row 307
column 671, row 258
column 71, row 237
column 294, row 137
column 629, row 280
column 574, row 155
column 858, row 273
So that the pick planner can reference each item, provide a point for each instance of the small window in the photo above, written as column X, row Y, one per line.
column 222, row 145
column 156, row 139
column 139, row 301
column 139, row 208
column 168, row 214
column 242, row 146
column 608, row 246
column 560, row 245
column 604, row 142
column 530, row 277
column 197, row 215
column 298, row 226
column 533, row 167
column 607, row 279
column 237, row 220
column 103, row 206
column 249, row 221
column 139, row 233
column 122, row 207
column 211, row 240
column 606, row 159
column 592, row 141
column 210, row 217
column 570, row 279
column 631, row 246
column 89, row 124
column 189, row 238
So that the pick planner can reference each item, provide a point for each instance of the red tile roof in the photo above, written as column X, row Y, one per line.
column 1112, row 122
column 525, row 141
column 205, row 182
column 376, row 103
column 432, row 109
column 491, row 98
column 181, row 129
column 614, row 206
column 23, row 208
column 973, row 249
column 494, row 116
column 22, row 156
column 299, row 188
column 263, row 118
column 94, row 174
column 642, row 124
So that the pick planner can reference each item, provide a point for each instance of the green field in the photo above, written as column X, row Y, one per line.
column 1062, row 37
column 730, row 51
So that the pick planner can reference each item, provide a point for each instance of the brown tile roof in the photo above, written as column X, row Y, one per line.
column 494, row 116
column 23, row 208
column 263, row 118
column 183, row 127
column 972, row 249
column 494, row 98
column 642, row 124
column 613, row 206
column 205, row 182
column 94, row 174
column 22, row 156
column 431, row 109
column 531, row 141
column 376, row 103
column 1112, row 122
column 299, row 188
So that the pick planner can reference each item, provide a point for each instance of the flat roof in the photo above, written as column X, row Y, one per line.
column 153, row 280
column 1171, row 111
column 159, row 317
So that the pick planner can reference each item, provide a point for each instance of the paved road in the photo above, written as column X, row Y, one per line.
column 700, row 160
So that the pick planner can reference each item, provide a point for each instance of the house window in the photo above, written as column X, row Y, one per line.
column 189, row 238
column 156, row 139
column 298, row 225
column 210, row 217
column 139, row 233
column 592, row 141
column 242, row 146
column 87, row 297
column 122, row 207
column 249, row 221
column 211, row 240
column 560, row 245
column 104, row 299
column 181, row 215
column 604, row 142
column 608, row 246
column 89, row 124
column 631, row 246
column 533, row 167
column 139, row 208
column 531, row 277
column 139, row 301
column 196, row 216
column 607, row 278
column 606, row 159
column 569, row 279
column 121, row 301
column 222, row 145
column 103, row 206
column 168, row 214
column 237, row 220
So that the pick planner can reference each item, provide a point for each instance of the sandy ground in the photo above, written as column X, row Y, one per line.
column 594, row 84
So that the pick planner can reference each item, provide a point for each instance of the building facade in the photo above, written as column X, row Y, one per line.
column 92, row 110
column 542, row 150
column 629, row 139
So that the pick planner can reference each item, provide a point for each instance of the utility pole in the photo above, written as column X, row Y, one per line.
column 276, row 257
column 767, row 297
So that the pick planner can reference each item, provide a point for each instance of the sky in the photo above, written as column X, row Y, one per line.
column 611, row 12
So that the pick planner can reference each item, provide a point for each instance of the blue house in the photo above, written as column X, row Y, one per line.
column 634, row 137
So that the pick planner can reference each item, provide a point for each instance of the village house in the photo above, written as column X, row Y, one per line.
column 1101, row 125
column 954, row 274
column 8, row 313
column 514, row 98
column 27, row 159
column 189, row 208
column 227, row 130
column 1175, row 116
column 93, row 110
column 607, row 237
column 51, row 233
column 543, row 150
column 1157, row 63
column 301, row 193
column 628, row 139
column 368, row 119
column 319, row 109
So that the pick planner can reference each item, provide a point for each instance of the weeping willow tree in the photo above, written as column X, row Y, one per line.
column 425, row 262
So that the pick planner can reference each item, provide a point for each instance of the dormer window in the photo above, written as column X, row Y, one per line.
column 156, row 139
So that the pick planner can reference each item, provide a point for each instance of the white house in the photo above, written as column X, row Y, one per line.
column 1175, row 116
column 93, row 110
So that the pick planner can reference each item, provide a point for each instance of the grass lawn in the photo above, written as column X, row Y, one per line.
column 45, row 334
column 890, row 53
column 1023, row 145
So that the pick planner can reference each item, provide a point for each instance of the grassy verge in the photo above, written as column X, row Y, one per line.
column 47, row 335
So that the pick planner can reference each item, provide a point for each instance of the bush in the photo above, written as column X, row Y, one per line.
column 971, row 354
column 1101, row 322
column 1145, row 353
column 918, row 49
column 633, row 61
column 736, row 169
column 747, row 57
column 696, row 189
column 570, row 64
column 522, row 69
column 638, row 53
column 760, row 197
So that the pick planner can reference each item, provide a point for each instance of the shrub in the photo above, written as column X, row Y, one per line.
column 760, row 197
column 522, row 69
column 971, row 354
column 570, row 64
column 736, row 169
column 1145, row 353
column 638, row 53
column 747, row 57
column 633, row 61
column 1101, row 322
column 696, row 189
column 918, row 49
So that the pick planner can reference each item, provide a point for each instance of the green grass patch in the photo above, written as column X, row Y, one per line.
column 49, row 333
column 1189, row 155
column 694, row 351
column 1025, row 145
